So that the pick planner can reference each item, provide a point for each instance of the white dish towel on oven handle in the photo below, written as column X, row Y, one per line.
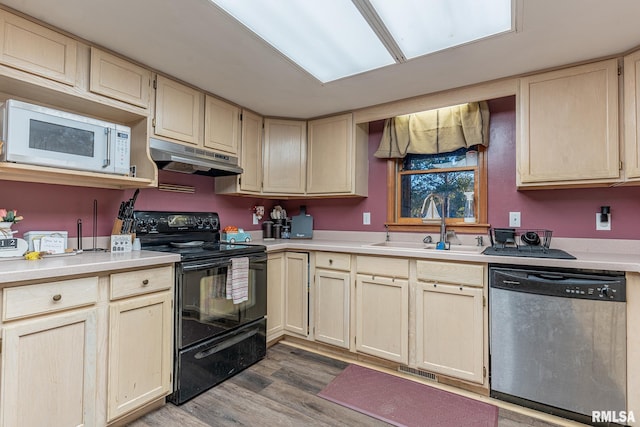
column 238, row 280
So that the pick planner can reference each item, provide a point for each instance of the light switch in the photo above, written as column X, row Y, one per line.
column 366, row 218
column 514, row 219
column 603, row 226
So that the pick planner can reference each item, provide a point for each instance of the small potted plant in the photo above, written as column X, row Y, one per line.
column 7, row 219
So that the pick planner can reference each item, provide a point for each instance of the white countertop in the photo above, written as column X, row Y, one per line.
column 16, row 270
column 590, row 254
column 586, row 257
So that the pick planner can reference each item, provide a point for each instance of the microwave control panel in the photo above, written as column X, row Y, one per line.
column 122, row 150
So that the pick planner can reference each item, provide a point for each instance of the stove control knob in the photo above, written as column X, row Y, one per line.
column 199, row 222
column 606, row 292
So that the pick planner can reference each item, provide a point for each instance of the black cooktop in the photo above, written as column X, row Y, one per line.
column 209, row 250
column 193, row 235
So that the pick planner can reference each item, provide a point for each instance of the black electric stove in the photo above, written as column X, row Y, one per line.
column 220, row 309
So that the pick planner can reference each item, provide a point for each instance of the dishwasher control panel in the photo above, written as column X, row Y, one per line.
column 560, row 283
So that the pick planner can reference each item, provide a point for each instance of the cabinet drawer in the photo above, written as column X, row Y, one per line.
column 31, row 300
column 451, row 272
column 141, row 281
column 389, row 267
column 334, row 261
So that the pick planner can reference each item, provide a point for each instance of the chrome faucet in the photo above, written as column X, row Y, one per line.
column 442, row 244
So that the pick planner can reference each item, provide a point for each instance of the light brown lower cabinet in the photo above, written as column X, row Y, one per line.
column 287, row 294
column 140, row 355
column 87, row 351
column 332, row 307
column 49, row 370
column 449, row 330
column 382, row 323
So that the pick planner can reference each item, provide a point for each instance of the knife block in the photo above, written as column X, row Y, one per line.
column 117, row 227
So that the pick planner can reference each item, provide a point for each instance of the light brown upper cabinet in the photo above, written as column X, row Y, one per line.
column 119, row 79
column 178, row 111
column 337, row 157
column 221, row 126
column 632, row 116
column 285, row 156
column 568, row 127
column 36, row 49
column 250, row 157
column 251, row 152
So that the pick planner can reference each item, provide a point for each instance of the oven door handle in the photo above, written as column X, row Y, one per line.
column 225, row 344
column 206, row 265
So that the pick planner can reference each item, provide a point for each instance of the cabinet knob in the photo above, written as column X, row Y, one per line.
column 57, row 297
column 145, row 282
column 330, row 262
column 435, row 285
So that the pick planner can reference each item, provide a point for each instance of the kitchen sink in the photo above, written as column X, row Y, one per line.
column 428, row 246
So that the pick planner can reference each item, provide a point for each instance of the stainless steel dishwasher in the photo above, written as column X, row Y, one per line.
column 558, row 339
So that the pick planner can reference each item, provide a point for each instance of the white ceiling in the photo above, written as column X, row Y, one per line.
column 196, row 42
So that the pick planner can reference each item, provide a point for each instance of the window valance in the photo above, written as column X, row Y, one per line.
column 435, row 131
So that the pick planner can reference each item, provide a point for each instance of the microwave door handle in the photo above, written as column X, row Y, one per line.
column 107, row 160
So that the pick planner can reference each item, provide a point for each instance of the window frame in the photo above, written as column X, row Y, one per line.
column 396, row 223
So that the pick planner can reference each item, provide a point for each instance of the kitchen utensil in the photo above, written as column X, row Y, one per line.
column 504, row 235
column 267, row 229
column 277, row 231
column 530, row 238
column 79, row 235
column 94, row 231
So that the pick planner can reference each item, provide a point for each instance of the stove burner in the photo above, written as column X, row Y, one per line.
column 191, row 244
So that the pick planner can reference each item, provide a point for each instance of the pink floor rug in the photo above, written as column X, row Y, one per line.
column 404, row 402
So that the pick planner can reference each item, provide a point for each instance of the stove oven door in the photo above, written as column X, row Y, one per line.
column 203, row 309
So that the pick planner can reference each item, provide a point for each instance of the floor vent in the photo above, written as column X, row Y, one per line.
column 418, row 372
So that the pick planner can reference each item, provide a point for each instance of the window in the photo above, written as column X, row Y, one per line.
column 448, row 176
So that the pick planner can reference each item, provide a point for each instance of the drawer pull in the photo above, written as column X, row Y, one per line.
column 330, row 262
column 57, row 297
column 145, row 282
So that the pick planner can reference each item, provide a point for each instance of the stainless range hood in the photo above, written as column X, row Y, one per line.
column 180, row 158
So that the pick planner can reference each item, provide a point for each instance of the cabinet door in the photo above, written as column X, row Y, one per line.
column 251, row 152
column 296, row 300
column 36, row 49
column 331, row 155
column 221, row 126
column 449, row 330
column 140, row 354
column 275, row 295
column 285, row 156
column 119, row 79
column 332, row 307
column 569, row 126
column 178, row 111
column 49, row 371
column 632, row 115
column 382, row 317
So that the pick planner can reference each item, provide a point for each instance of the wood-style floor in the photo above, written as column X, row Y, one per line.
column 280, row 390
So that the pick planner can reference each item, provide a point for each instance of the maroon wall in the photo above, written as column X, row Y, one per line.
column 569, row 213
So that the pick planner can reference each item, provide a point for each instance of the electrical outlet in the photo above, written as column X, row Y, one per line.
column 366, row 218
column 514, row 219
column 255, row 219
column 603, row 226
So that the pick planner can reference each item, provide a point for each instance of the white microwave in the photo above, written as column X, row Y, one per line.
column 44, row 136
